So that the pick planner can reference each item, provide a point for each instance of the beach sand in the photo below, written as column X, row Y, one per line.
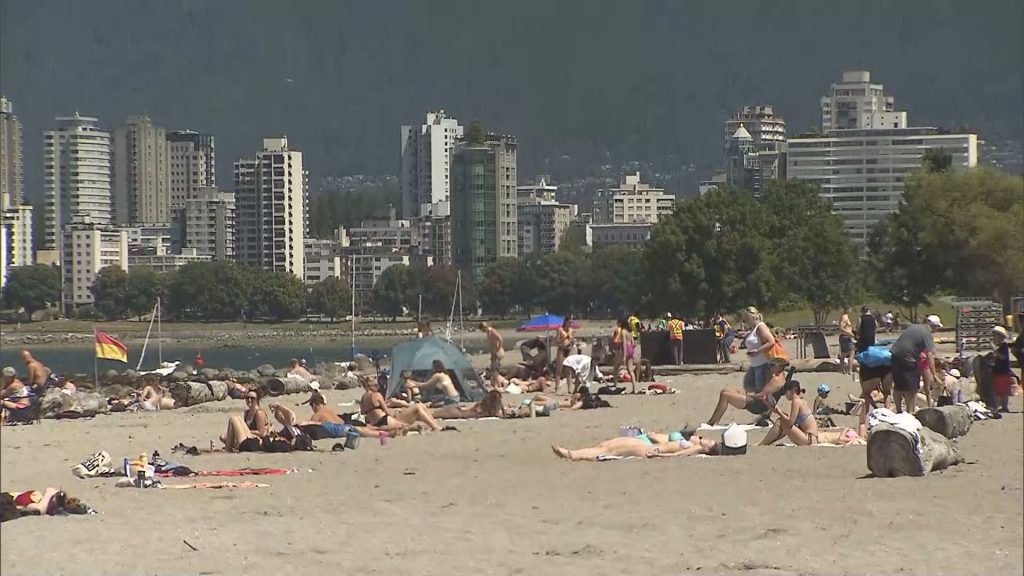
column 493, row 499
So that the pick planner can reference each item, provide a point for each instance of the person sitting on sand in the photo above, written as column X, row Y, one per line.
column 439, row 381
column 535, row 355
column 297, row 370
column 642, row 446
column 245, row 433
column 327, row 418
column 376, row 412
column 14, row 393
column 755, row 402
column 488, row 407
column 37, row 376
column 154, row 396
column 799, row 425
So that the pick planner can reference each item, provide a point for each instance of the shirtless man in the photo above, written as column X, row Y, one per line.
column 295, row 368
column 846, row 342
column 495, row 343
column 37, row 374
column 322, row 415
column 439, row 381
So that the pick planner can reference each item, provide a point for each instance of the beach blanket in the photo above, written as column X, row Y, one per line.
column 744, row 427
column 236, row 472
column 216, row 485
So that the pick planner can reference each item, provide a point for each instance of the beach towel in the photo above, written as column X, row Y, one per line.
column 237, row 472
column 744, row 427
column 902, row 420
column 216, row 485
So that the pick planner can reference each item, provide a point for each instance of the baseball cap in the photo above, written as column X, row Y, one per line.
column 934, row 320
column 668, row 314
column 1002, row 332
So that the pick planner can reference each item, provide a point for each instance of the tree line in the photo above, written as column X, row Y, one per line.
column 956, row 232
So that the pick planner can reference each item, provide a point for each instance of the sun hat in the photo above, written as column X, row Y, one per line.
column 10, row 372
column 1002, row 332
column 934, row 320
column 954, row 373
column 824, row 389
column 734, row 441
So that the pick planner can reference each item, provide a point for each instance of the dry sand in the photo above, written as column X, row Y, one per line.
column 493, row 499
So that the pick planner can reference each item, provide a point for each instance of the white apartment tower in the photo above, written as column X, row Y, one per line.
column 88, row 248
column 11, row 176
column 208, row 219
column 141, row 173
column 270, row 203
column 632, row 202
column 425, row 177
column 76, row 166
column 192, row 164
column 857, row 103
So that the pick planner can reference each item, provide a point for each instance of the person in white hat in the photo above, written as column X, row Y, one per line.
column 913, row 358
column 1002, row 378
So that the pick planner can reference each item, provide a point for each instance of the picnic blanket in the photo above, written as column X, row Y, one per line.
column 215, row 485
column 236, row 472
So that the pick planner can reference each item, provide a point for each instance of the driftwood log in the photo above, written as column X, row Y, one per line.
column 218, row 389
column 85, row 403
column 892, row 452
column 190, row 393
column 290, row 385
column 950, row 421
column 815, row 365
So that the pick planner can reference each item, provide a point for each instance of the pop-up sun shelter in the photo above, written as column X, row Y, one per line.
column 418, row 356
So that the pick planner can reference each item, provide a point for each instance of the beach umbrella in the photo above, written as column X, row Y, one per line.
column 544, row 323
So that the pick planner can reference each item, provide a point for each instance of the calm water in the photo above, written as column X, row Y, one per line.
column 78, row 358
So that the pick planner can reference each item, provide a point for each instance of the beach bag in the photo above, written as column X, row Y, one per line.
column 777, row 351
column 95, row 465
column 874, row 357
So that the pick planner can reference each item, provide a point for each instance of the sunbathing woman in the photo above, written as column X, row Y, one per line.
column 246, row 432
column 489, row 407
column 799, row 425
column 439, row 381
column 525, row 385
column 155, row 397
column 844, row 436
column 641, row 446
column 376, row 411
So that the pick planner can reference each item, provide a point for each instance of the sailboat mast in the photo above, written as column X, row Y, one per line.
column 159, row 334
column 462, row 324
column 352, row 273
column 145, row 343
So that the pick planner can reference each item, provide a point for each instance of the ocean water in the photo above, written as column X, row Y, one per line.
column 78, row 358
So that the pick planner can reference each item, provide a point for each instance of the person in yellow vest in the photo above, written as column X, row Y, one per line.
column 634, row 328
column 675, row 337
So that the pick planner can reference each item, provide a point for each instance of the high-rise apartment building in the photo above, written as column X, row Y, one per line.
column 76, row 183
column 270, row 208
column 206, row 224
column 541, row 225
column 141, row 192
column 426, row 153
column 755, row 143
column 11, row 176
column 18, row 221
column 857, row 103
column 192, row 164
column 862, row 172
column 633, row 201
column 89, row 247
column 483, row 199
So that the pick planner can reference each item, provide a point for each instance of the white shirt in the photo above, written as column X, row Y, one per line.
column 580, row 363
column 888, row 317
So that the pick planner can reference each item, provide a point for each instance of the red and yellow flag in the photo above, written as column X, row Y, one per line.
column 110, row 348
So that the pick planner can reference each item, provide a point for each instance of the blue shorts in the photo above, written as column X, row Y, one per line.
column 450, row 400
column 334, row 429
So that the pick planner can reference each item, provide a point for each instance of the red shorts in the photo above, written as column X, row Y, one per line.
column 1001, row 384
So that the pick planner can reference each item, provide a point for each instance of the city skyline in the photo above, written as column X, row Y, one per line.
column 349, row 88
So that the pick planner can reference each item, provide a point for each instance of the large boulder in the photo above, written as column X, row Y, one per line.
column 280, row 373
column 265, row 370
column 178, row 376
column 117, row 391
column 110, row 376
column 209, row 374
column 363, row 362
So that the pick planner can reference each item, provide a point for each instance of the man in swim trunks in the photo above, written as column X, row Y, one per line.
column 37, row 375
column 495, row 343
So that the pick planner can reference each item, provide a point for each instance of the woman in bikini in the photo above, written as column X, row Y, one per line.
column 489, row 407
column 844, row 436
column 439, row 381
column 525, row 385
column 799, row 425
column 642, row 446
column 376, row 412
column 245, row 433
column 563, row 345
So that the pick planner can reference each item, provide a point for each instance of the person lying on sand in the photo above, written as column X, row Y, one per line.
column 525, row 385
column 756, row 402
column 844, row 436
column 488, row 407
column 236, row 389
column 376, row 412
column 799, row 425
column 643, row 446
column 35, row 503
column 322, row 415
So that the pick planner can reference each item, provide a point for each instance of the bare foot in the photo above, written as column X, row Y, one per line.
column 561, row 452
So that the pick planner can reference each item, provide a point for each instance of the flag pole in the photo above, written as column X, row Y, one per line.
column 95, row 361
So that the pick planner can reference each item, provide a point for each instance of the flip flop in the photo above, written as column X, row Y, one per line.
column 338, row 447
column 449, row 429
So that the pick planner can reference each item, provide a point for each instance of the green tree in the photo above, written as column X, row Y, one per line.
column 144, row 287
column 617, row 281
column 814, row 262
column 33, row 288
column 331, row 297
column 936, row 160
column 558, row 282
column 110, row 292
column 390, row 292
column 218, row 290
column 282, row 296
column 500, row 286
column 712, row 253
column 574, row 239
column 897, row 265
column 474, row 133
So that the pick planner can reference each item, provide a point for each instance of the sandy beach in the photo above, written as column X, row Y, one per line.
column 493, row 499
